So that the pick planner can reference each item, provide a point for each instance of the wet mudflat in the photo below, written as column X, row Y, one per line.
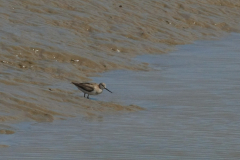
column 191, row 102
column 47, row 44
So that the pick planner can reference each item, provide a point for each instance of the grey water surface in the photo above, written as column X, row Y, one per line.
column 191, row 101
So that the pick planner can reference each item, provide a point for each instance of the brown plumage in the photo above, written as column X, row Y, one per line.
column 85, row 86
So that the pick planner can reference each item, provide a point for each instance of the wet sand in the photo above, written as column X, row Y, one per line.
column 191, row 102
column 47, row 44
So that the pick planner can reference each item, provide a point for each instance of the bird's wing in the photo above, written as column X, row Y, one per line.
column 85, row 86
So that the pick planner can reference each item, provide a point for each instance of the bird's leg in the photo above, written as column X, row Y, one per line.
column 84, row 95
column 88, row 97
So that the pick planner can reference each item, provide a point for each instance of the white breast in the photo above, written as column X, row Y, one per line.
column 98, row 90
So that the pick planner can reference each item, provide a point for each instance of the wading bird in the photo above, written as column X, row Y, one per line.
column 91, row 88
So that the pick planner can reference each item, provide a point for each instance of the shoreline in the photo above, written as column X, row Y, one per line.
column 107, row 45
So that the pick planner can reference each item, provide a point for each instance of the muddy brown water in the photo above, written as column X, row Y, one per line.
column 191, row 101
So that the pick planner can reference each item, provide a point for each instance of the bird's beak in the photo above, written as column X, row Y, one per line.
column 108, row 90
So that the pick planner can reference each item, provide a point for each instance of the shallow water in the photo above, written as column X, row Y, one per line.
column 192, row 111
column 46, row 44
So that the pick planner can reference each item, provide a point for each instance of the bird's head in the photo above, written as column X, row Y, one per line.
column 103, row 86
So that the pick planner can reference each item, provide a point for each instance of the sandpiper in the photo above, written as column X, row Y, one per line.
column 91, row 88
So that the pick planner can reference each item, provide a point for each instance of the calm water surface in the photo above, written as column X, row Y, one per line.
column 192, row 112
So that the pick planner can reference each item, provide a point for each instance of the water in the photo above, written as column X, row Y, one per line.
column 46, row 44
column 191, row 101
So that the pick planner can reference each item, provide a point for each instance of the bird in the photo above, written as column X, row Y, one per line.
column 91, row 88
